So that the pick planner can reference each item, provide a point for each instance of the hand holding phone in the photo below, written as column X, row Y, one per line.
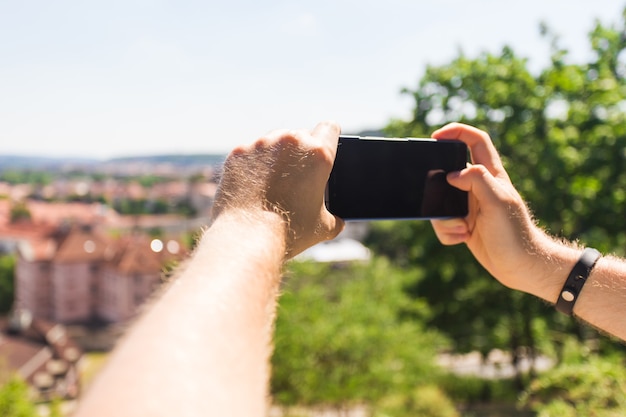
column 383, row 178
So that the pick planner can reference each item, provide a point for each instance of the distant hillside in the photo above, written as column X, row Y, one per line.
column 35, row 162
column 173, row 159
column 20, row 162
column 371, row 132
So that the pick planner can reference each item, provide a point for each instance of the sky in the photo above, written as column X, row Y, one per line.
column 112, row 78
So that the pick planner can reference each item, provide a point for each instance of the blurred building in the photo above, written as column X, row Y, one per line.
column 77, row 274
column 346, row 247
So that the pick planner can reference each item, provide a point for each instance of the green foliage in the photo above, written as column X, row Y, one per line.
column 473, row 309
column 562, row 136
column 14, row 399
column 595, row 388
column 86, row 198
column 356, row 334
column 148, row 181
column 141, row 206
column 341, row 339
column 7, row 274
column 34, row 177
column 55, row 408
column 562, row 133
column 423, row 401
column 19, row 212
column 185, row 207
column 470, row 389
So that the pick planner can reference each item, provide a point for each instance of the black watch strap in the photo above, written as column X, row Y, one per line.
column 576, row 280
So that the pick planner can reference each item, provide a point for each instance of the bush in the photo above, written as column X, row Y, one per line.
column 469, row 389
column 423, row 401
column 340, row 339
column 595, row 389
column 14, row 399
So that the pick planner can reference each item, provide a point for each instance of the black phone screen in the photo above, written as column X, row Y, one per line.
column 377, row 178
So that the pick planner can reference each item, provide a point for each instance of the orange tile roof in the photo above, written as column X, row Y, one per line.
column 139, row 259
column 38, row 249
column 59, row 213
column 141, row 255
column 83, row 245
column 54, row 214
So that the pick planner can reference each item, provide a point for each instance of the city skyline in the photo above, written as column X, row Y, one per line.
column 137, row 77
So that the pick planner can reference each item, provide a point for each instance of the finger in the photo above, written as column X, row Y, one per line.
column 328, row 228
column 328, row 133
column 271, row 138
column 451, row 231
column 333, row 225
column 487, row 189
column 481, row 147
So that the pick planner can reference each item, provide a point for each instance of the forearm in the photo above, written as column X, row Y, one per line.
column 203, row 348
column 602, row 300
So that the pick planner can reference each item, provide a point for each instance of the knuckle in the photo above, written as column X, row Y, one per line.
column 286, row 139
column 447, row 239
column 238, row 151
column 331, row 124
column 478, row 169
column 263, row 142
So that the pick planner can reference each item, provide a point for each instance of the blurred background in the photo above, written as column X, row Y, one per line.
column 115, row 118
column 148, row 76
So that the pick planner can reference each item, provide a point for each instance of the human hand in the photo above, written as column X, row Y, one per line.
column 284, row 174
column 499, row 230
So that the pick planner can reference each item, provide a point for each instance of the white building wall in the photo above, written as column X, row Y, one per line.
column 71, row 294
column 33, row 288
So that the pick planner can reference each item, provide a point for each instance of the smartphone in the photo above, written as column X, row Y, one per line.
column 376, row 178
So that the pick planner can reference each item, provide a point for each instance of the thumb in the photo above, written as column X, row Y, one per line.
column 331, row 225
column 327, row 228
column 477, row 180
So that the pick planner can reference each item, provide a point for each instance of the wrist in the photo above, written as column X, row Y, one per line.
column 576, row 281
column 255, row 234
column 553, row 262
column 250, row 217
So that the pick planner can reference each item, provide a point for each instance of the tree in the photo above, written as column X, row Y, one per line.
column 14, row 399
column 562, row 136
column 19, row 212
column 342, row 337
column 593, row 388
column 423, row 401
column 7, row 279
